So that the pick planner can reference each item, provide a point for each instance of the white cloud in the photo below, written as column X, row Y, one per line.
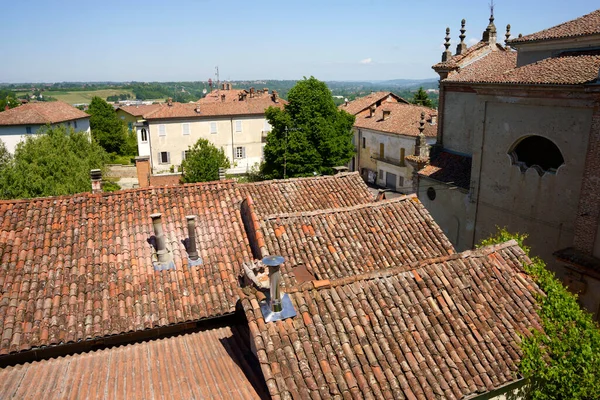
column 366, row 61
column 472, row 41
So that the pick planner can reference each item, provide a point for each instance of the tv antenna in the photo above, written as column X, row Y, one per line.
column 492, row 8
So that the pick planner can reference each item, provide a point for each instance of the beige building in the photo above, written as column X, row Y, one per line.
column 518, row 145
column 236, row 123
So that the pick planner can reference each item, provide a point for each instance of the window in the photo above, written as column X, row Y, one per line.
column 536, row 152
column 161, row 130
column 238, row 126
column 144, row 135
column 431, row 194
column 213, row 127
column 401, row 181
column 163, row 157
column 185, row 154
column 381, row 150
column 75, row 124
column 185, row 129
column 240, row 152
column 402, row 154
column 364, row 143
column 28, row 129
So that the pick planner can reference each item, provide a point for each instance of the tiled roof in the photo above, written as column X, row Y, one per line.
column 139, row 111
column 473, row 52
column 42, row 113
column 588, row 24
column 307, row 194
column 486, row 68
column 449, row 168
column 230, row 95
column 563, row 70
column 578, row 258
column 342, row 242
column 80, row 267
column 360, row 104
column 256, row 106
column 447, row 327
column 211, row 364
column 403, row 119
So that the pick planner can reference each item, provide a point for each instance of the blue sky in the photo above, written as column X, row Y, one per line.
column 51, row 41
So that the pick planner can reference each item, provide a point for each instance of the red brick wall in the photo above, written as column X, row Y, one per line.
column 586, row 222
column 143, row 171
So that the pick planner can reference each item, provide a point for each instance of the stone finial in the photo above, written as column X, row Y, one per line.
column 447, row 54
column 507, row 36
column 520, row 35
column 490, row 33
column 421, row 147
column 422, row 123
column 462, row 46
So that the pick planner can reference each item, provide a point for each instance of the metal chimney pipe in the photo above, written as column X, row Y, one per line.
column 274, row 264
column 191, row 225
column 161, row 248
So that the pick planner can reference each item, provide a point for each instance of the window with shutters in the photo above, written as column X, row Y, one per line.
column 240, row 152
column 185, row 129
column 162, row 131
column 163, row 157
column 213, row 127
column 185, row 154
column 238, row 126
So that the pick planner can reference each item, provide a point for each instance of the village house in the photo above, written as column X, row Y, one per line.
column 19, row 122
column 385, row 132
column 233, row 120
column 132, row 114
column 518, row 145
column 177, row 292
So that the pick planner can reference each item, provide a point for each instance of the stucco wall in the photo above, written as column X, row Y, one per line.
column 452, row 211
column 12, row 135
column 175, row 142
column 458, row 121
column 393, row 143
column 543, row 206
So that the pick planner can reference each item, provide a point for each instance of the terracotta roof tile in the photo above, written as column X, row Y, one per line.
column 80, row 267
column 235, row 107
column 449, row 168
column 403, row 119
column 588, row 24
column 341, row 242
column 476, row 51
column 448, row 327
column 210, row 364
column 307, row 194
column 42, row 113
column 360, row 104
column 485, row 68
column 139, row 111
column 564, row 70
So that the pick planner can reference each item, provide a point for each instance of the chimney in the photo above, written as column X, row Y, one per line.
column 170, row 101
column 266, row 90
column 161, row 247
column 222, row 98
column 274, row 96
column 371, row 111
column 279, row 305
column 96, row 176
column 386, row 114
column 433, row 119
column 221, row 173
column 251, row 92
column 197, row 109
column 142, row 166
column 191, row 242
column 223, row 86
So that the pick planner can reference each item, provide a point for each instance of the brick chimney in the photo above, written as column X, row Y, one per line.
column 222, row 98
column 142, row 165
column 170, row 101
column 274, row 96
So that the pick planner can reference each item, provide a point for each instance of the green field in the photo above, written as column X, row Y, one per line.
column 77, row 97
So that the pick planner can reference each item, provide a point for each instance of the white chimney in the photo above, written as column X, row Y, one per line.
column 96, row 177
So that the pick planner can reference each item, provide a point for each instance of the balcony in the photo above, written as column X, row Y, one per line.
column 389, row 160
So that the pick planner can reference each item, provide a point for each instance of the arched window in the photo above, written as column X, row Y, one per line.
column 536, row 152
column 144, row 135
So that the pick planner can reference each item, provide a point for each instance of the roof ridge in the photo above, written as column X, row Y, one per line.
column 301, row 178
column 341, row 209
column 409, row 267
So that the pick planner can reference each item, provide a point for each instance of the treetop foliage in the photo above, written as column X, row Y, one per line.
column 108, row 130
column 309, row 135
column 53, row 163
column 563, row 361
column 202, row 162
column 422, row 99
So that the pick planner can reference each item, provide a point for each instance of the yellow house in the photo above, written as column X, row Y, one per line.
column 133, row 114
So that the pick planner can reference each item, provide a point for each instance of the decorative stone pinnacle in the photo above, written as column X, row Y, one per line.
column 422, row 123
column 507, row 35
column 462, row 30
column 447, row 44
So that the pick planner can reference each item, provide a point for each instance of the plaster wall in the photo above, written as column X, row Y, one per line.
column 226, row 137
column 458, row 122
column 13, row 134
column 545, row 206
column 452, row 210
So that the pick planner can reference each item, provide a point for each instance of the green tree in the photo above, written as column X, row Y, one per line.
column 55, row 162
column 8, row 98
column 108, row 130
column 202, row 162
column 309, row 135
column 421, row 98
column 563, row 360
column 5, row 156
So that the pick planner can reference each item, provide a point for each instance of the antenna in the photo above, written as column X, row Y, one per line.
column 492, row 7
column 217, row 75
